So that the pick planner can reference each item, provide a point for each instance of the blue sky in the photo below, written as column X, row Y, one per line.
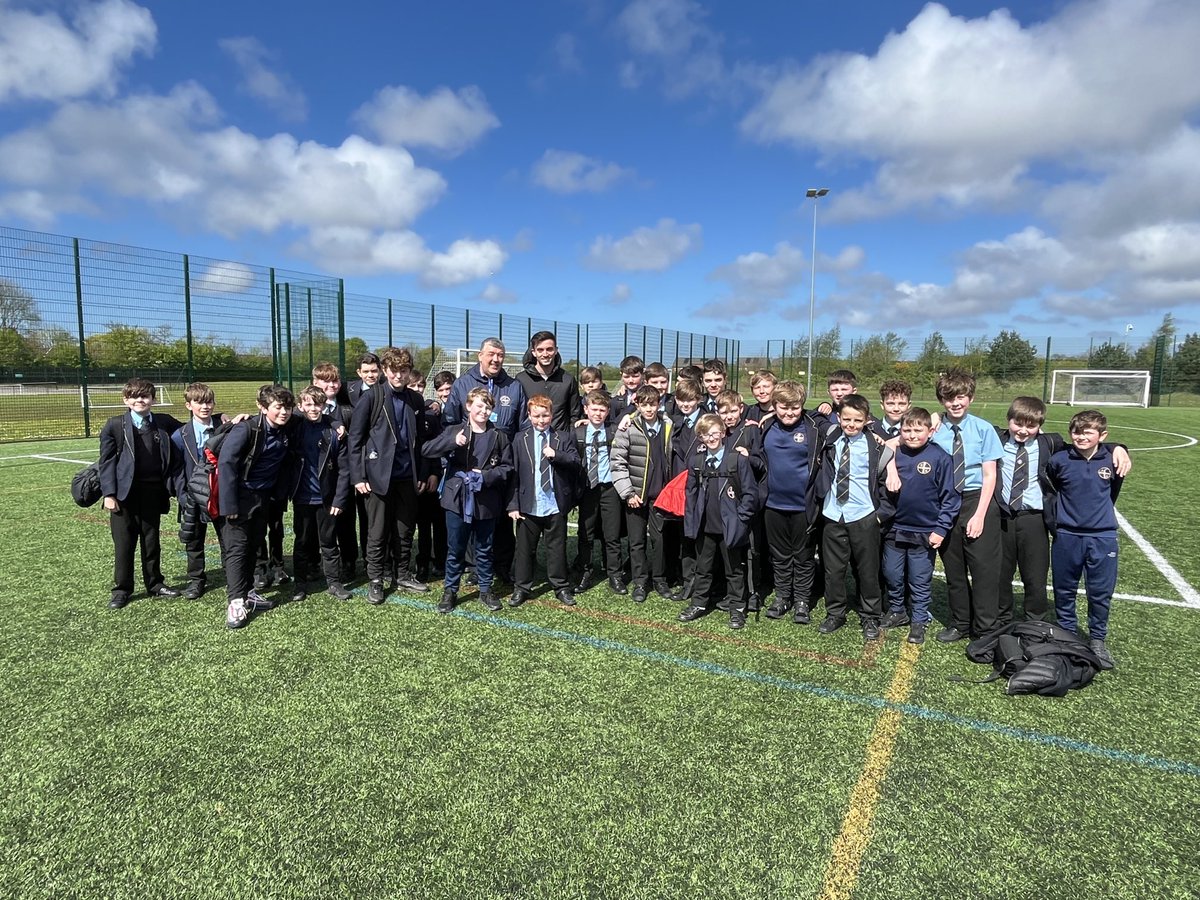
column 1030, row 167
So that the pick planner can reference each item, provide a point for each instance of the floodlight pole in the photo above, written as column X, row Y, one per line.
column 815, row 194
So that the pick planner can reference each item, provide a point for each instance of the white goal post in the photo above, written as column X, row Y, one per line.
column 1100, row 387
column 108, row 396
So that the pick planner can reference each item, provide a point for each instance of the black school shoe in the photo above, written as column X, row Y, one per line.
column 194, row 591
column 118, row 601
column 618, row 586
column 490, row 600
column 831, row 624
column 375, row 593
column 779, row 608
column 737, row 619
column 446, row 605
column 338, row 591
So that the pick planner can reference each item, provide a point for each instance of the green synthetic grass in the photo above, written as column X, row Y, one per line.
column 340, row 750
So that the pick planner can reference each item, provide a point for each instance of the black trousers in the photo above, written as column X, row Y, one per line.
column 347, row 534
column 390, row 522
column 243, row 537
column 710, row 547
column 792, row 546
column 760, row 569
column 670, row 531
column 316, row 539
column 270, row 550
column 137, row 520
column 431, row 531
column 530, row 529
column 1024, row 545
column 974, row 600
column 852, row 546
column 600, row 512
column 645, row 545
column 196, row 561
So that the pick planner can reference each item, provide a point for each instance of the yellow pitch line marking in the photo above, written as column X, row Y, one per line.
column 841, row 875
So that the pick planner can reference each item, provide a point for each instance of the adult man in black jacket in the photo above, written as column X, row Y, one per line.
column 544, row 374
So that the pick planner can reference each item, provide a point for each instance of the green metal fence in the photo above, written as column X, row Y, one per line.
column 80, row 317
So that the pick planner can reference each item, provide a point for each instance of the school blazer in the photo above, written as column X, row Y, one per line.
column 683, row 444
column 333, row 469
column 564, row 467
column 355, row 392
column 877, row 458
column 240, row 450
column 490, row 452
column 116, row 455
column 581, row 451
column 748, row 437
column 738, row 493
column 184, row 440
column 373, row 444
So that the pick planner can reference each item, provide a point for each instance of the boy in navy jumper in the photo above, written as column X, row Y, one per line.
column 137, row 464
column 254, row 473
column 721, row 503
column 925, row 511
column 479, row 462
column 600, row 514
column 1027, row 505
column 854, row 502
column 189, row 442
column 541, row 497
column 320, row 497
column 1085, row 540
column 792, row 447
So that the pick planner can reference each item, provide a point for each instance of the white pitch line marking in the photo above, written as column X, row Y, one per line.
column 1191, row 597
column 59, row 459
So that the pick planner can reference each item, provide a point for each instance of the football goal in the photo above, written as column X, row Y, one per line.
column 1100, row 387
column 109, row 396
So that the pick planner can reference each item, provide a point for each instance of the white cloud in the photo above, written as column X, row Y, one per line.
column 463, row 261
column 446, row 120
column 224, row 278
column 621, row 294
column 362, row 251
column 565, row 172
column 645, row 249
column 44, row 58
column 763, row 275
column 493, row 293
column 261, row 81
column 957, row 110
column 565, row 49
column 671, row 38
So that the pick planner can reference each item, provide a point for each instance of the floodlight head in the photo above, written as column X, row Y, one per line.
column 816, row 192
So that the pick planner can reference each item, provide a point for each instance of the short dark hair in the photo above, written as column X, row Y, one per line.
column 842, row 376
column 895, row 388
column 368, row 359
column 275, row 393
column 955, row 383
column 442, row 378
column 856, row 402
column 539, row 336
column 1088, row 418
column 917, row 415
column 715, row 365
column 1027, row 411
column 632, row 365
column 139, row 387
column 199, row 392
column 646, row 394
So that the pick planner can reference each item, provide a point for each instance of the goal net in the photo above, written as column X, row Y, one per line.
column 111, row 396
column 1100, row 387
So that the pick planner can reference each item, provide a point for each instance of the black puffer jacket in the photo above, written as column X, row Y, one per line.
column 560, row 386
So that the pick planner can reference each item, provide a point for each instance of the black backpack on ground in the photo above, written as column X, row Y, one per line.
column 1036, row 658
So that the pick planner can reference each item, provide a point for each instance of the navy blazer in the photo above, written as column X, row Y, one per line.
column 738, row 492
column 354, row 390
column 333, row 469
column 748, row 437
column 684, row 443
column 564, row 468
column 116, row 455
column 490, row 452
column 240, row 449
column 373, row 444
column 184, row 439
column 581, row 448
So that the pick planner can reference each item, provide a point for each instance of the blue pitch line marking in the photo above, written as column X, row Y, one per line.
column 1176, row 767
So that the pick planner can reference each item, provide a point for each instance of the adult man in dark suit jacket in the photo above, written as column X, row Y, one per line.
column 368, row 376
column 386, row 466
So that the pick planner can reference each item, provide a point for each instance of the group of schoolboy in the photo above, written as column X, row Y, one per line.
column 718, row 503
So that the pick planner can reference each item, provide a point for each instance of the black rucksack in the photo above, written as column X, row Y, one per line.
column 201, row 486
column 85, row 486
column 1036, row 658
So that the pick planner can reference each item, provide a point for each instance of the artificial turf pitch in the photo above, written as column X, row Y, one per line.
column 340, row 750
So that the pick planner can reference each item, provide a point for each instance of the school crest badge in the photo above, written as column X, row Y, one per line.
column 505, row 400
column 1105, row 473
column 798, row 437
column 729, row 493
column 924, row 468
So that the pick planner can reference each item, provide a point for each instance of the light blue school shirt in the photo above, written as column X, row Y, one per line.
column 980, row 444
column 860, row 505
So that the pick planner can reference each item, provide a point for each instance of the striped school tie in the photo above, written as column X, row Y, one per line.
column 544, row 464
column 1020, row 479
column 843, row 475
column 960, row 459
column 593, row 470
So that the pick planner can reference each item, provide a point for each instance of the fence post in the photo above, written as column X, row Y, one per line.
column 391, row 340
column 467, row 330
column 187, row 315
column 1046, row 374
column 432, row 338
column 83, row 357
column 341, row 325
column 287, row 312
column 274, row 329
column 311, row 361
column 578, row 355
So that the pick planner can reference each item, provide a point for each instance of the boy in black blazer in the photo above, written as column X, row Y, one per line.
column 479, row 463
column 600, row 507
column 137, row 464
column 387, row 466
column 189, row 441
column 540, row 498
column 320, row 495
